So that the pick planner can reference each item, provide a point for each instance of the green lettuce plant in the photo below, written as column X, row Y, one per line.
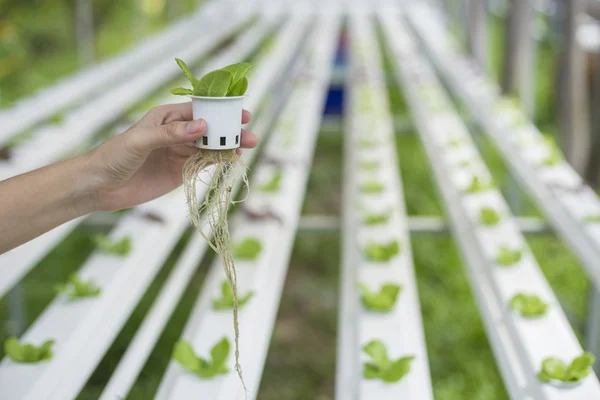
column 382, row 300
column 556, row 369
column 528, row 305
column 28, row 353
column 382, row 252
column 476, row 186
column 274, row 184
column 381, row 366
column 489, row 217
column 372, row 187
column 226, row 300
column 120, row 247
column 369, row 165
column 75, row 288
column 377, row 219
column 247, row 249
column 184, row 354
column 507, row 256
column 228, row 81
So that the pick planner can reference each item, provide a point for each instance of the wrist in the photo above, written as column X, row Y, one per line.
column 84, row 192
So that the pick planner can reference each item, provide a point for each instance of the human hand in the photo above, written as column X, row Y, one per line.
column 146, row 161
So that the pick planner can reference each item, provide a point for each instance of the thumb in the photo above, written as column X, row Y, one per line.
column 173, row 133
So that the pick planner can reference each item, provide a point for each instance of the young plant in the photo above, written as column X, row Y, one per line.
column 184, row 354
column 555, row 156
column 507, row 256
column 381, row 366
column 247, row 249
column 365, row 143
column 75, row 288
column 369, row 165
column 592, row 219
column 120, row 247
column 226, row 300
column 27, row 353
column 372, row 187
column 224, row 82
column 57, row 119
column 377, row 219
column 383, row 300
column 476, row 186
column 528, row 305
column 489, row 217
column 554, row 369
column 382, row 252
column 274, row 184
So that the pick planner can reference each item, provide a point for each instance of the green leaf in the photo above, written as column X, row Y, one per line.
column 181, row 91
column 239, row 88
column 76, row 288
column 371, row 371
column 372, row 187
column 544, row 377
column 476, row 186
column 238, row 72
column 397, row 370
column 118, row 247
column 580, row 367
column 369, row 165
column 186, row 71
column 226, row 300
column 247, row 249
column 13, row 349
column 219, row 353
column 377, row 351
column 184, row 354
column 554, row 368
column 377, row 219
column 45, row 351
column 592, row 219
column 528, row 305
column 383, row 300
column 506, row 256
column 382, row 252
column 274, row 184
column 27, row 352
column 213, row 84
column 489, row 217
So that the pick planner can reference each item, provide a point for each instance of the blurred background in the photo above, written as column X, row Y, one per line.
column 544, row 52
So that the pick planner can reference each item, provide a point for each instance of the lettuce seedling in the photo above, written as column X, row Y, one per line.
column 383, row 300
column 227, row 81
column 75, row 288
column 118, row 247
column 377, row 219
column 488, row 216
column 381, row 367
column 507, row 256
column 365, row 143
column 274, row 184
column 226, row 300
column 184, row 354
column 56, row 119
column 476, row 186
column 592, row 218
column 528, row 305
column 247, row 249
column 27, row 353
column 382, row 252
column 369, row 165
column 555, row 156
column 556, row 369
column 372, row 187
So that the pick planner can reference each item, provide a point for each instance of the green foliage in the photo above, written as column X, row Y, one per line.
column 507, row 256
column 592, row 218
column 184, row 354
column 489, row 217
column 381, row 367
column 382, row 252
column 118, row 247
column 376, row 219
column 383, row 300
column 247, row 249
column 555, row 156
column 28, row 353
column 476, row 186
column 369, row 165
column 75, row 288
column 274, row 184
column 555, row 369
column 227, row 81
column 372, row 187
column 57, row 119
column 365, row 143
column 226, row 300
column 528, row 305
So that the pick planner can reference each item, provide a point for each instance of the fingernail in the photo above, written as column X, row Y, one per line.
column 196, row 126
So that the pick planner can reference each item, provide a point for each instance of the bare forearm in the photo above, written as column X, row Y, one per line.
column 36, row 202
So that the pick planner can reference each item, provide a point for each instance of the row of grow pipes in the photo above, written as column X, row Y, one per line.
column 124, row 280
column 520, row 344
column 370, row 139
column 292, row 142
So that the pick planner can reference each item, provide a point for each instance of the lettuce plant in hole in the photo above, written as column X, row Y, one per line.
column 57, row 119
column 247, row 249
column 369, row 165
column 226, row 300
column 489, row 217
column 377, row 219
column 382, row 300
column 528, row 305
column 75, row 288
column 477, row 186
column 27, row 352
column 554, row 369
column 592, row 218
column 372, row 187
column 184, row 354
column 382, row 252
column 507, row 256
column 381, row 366
column 119, row 247
column 274, row 184
column 225, row 82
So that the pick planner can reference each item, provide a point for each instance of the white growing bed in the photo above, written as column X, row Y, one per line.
column 401, row 329
column 558, row 190
column 123, row 280
column 88, row 82
column 519, row 344
column 266, row 275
